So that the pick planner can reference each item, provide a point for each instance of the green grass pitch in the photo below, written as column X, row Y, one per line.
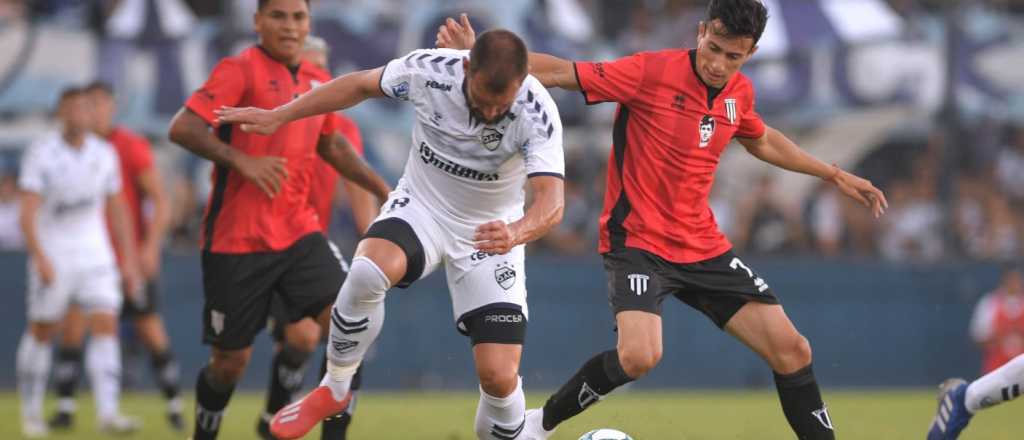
column 683, row 415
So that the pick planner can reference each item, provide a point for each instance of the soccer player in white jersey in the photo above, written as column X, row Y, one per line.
column 68, row 179
column 959, row 400
column 483, row 129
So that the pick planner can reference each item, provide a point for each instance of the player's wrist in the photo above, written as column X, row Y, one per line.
column 833, row 174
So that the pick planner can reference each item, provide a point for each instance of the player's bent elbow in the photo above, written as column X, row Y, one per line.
column 178, row 131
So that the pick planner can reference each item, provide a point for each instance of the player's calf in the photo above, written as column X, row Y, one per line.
column 214, row 387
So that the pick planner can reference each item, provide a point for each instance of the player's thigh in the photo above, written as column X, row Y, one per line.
column 311, row 280
column 408, row 226
column 99, row 291
column 720, row 287
column 47, row 303
column 237, row 292
column 489, row 297
column 768, row 331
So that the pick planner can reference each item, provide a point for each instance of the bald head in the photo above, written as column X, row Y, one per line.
column 499, row 59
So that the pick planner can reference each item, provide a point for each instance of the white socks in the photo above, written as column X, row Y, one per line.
column 356, row 320
column 501, row 418
column 1003, row 384
column 33, row 368
column 103, row 364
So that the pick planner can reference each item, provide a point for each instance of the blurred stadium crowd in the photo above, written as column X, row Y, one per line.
column 923, row 97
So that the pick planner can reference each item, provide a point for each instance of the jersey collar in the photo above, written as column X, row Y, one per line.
column 713, row 92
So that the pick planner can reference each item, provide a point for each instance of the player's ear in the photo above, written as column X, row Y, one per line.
column 753, row 50
column 701, row 28
column 465, row 64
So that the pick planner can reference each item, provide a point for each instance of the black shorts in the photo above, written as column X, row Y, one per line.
column 717, row 287
column 146, row 303
column 281, row 315
column 239, row 289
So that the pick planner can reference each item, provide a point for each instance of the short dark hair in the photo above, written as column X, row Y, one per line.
column 501, row 55
column 68, row 93
column 262, row 3
column 740, row 18
column 99, row 86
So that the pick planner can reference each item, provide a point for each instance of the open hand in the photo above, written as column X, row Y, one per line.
column 250, row 119
column 495, row 237
column 863, row 191
column 456, row 35
column 266, row 172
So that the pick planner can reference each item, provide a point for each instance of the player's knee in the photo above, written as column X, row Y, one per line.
column 637, row 361
column 794, row 355
column 303, row 335
column 227, row 367
column 366, row 282
column 42, row 332
column 498, row 381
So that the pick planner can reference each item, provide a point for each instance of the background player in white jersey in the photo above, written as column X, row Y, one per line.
column 483, row 129
column 67, row 180
column 959, row 400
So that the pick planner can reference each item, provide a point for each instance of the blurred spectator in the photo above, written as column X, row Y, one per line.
column 157, row 25
column 998, row 321
column 826, row 220
column 913, row 226
column 10, row 232
column 765, row 224
column 1009, row 168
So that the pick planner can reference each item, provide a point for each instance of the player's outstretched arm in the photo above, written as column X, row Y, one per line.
column 776, row 149
column 337, row 151
column 340, row 93
column 551, row 71
column 544, row 213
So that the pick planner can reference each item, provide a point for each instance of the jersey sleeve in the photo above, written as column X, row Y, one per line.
column 30, row 174
column 142, row 156
column 751, row 124
column 542, row 129
column 225, row 87
column 610, row 81
column 398, row 79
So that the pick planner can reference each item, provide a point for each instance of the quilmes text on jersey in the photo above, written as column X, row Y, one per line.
column 428, row 156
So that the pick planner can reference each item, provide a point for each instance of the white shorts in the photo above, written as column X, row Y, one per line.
column 94, row 288
column 477, row 281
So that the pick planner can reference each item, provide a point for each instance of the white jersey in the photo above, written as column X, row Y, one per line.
column 464, row 171
column 74, row 184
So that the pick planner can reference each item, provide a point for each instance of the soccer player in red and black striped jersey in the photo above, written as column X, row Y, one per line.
column 285, row 379
column 261, row 238
column 677, row 111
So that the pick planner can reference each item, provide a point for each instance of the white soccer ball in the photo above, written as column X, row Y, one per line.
column 605, row 434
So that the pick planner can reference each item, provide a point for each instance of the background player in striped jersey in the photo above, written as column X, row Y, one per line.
column 286, row 379
column 678, row 110
column 261, row 239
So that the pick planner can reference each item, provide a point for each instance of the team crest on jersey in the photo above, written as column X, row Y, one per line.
column 505, row 275
column 730, row 109
column 707, row 130
column 401, row 91
column 491, row 138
